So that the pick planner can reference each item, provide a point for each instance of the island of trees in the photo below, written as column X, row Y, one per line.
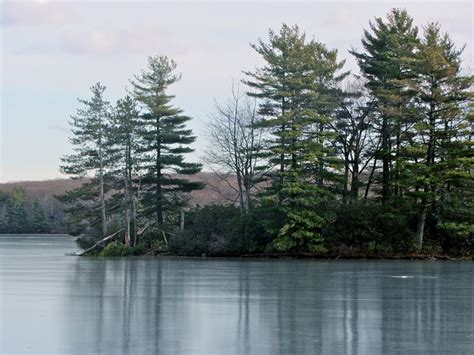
column 322, row 162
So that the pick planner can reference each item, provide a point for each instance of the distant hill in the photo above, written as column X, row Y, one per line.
column 216, row 190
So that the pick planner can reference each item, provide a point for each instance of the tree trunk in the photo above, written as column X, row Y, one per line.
column 134, row 212
column 420, row 227
column 355, row 177
column 241, row 192
column 181, row 226
column 248, row 196
column 345, row 191
column 102, row 195
column 127, row 221
column 385, row 162
column 397, row 191
column 369, row 181
column 159, row 192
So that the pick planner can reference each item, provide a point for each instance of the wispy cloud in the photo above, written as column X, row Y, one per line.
column 118, row 41
column 34, row 13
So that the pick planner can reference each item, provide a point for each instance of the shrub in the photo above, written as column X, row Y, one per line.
column 371, row 227
column 457, row 238
column 219, row 231
column 117, row 249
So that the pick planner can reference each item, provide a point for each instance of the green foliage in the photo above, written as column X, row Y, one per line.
column 152, row 242
column 371, row 227
column 387, row 65
column 116, row 249
column 219, row 231
column 164, row 141
column 458, row 238
column 303, row 221
column 91, row 156
column 19, row 214
column 119, row 249
column 412, row 126
column 298, row 91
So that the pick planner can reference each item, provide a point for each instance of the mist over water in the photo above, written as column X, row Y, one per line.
column 52, row 303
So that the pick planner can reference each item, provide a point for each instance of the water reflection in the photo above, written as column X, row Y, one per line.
column 56, row 304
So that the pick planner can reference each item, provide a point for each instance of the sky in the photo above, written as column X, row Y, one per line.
column 53, row 52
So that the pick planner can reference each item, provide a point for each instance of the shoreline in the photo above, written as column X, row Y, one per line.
column 411, row 257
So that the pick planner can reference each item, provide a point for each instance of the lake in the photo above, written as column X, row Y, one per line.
column 51, row 303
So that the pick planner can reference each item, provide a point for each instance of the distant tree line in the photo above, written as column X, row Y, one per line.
column 325, row 161
column 21, row 214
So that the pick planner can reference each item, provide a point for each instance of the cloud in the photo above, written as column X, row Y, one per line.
column 14, row 14
column 139, row 40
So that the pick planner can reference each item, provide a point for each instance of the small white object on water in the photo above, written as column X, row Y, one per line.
column 402, row 277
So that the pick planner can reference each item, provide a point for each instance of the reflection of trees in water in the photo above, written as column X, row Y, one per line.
column 243, row 323
column 260, row 307
column 421, row 313
column 114, row 306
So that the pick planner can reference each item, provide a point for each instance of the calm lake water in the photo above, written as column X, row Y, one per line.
column 51, row 303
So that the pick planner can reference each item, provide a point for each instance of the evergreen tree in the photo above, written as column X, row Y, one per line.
column 164, row 141
column 124, row 143
column 387, row 64
column 89, row 127
column 442, row 154
column 17, row 214
column 4, row 200
column 20, row 214
column 297, row 87
column 38, row 219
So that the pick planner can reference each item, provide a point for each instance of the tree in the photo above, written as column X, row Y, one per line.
column 387, row 65
column 355, row 140
column 164, row 140
column 235, row 145
column 124, row 142
column 296, row 88
column 441, row 154
column 89, row 127
column 21, row 214
column 38, row 220
column 16, row 214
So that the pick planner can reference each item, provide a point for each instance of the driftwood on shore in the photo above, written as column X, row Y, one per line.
column 99, row 244
column 103, row 242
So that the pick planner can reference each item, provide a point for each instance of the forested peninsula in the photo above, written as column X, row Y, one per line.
column 321, row 162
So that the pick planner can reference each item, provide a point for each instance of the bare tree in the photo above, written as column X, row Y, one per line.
column 356, row 141
column 234, row 144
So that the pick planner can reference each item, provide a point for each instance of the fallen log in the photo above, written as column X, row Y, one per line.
column 96, row 245
column 141, row 230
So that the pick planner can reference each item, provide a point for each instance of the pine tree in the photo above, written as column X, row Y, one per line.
column 297, row 87
column 89, row 127
column 442, row 153
column 387, row 64
column 17, row 214
column 124, row 142
column 164, row 141
column 4, row 202
column 38, row 219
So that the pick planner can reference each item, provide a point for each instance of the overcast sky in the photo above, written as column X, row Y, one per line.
column 52, row 52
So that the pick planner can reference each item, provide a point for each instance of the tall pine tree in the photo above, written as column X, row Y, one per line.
column 442, row 153
column 126, row 170
column 387, row 64
column 164, row 141
column 296, row 88
column 90, row 157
